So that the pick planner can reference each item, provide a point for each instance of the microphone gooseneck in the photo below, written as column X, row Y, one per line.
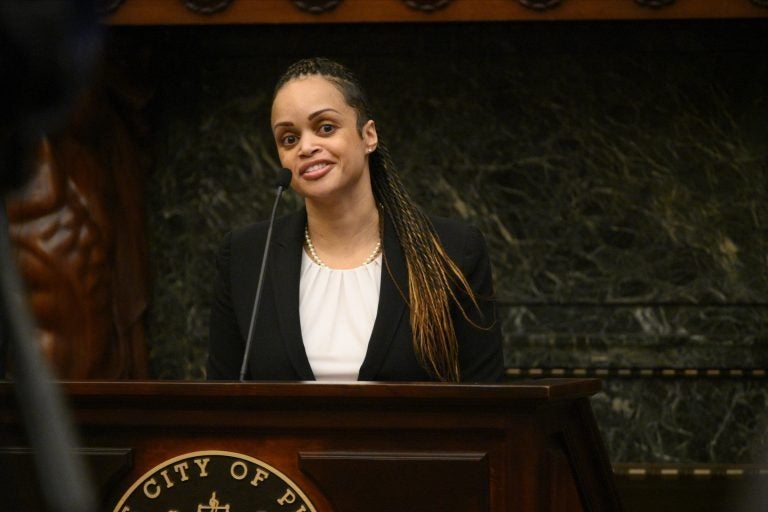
column 282, row 180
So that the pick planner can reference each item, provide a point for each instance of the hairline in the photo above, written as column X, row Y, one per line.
column 339, row 84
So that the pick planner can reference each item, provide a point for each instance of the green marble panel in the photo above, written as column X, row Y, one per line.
column 636, row 336
column 618, row 170
column 683, row 421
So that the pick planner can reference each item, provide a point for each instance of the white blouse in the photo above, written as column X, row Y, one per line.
column 337, row 309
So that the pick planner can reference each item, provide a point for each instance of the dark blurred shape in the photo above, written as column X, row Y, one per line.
column 48, row 49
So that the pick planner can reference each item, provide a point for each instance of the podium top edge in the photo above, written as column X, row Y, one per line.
column 536, row 390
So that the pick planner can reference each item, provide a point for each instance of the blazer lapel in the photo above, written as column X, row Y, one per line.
column 285, row 263
column 392, row 303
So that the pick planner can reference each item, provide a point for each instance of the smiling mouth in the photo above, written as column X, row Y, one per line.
column 316, row 170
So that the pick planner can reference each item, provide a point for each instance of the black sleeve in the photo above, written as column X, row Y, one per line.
column 225, row 343
column 479, row 335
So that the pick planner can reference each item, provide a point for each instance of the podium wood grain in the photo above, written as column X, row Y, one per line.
column 530, row 446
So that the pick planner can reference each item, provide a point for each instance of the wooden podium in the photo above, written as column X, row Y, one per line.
column 218, row 447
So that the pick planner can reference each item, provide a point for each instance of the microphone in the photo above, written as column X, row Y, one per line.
column 282, row 180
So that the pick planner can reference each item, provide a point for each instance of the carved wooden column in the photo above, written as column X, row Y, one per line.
column 79, row 235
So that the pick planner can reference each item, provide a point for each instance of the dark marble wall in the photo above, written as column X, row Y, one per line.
column 618, row 171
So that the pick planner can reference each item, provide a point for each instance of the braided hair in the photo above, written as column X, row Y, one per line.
column 432, row 274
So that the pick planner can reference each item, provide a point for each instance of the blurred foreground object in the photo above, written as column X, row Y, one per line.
column 47, row 49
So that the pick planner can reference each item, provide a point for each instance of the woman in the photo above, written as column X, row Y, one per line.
column 361, row 284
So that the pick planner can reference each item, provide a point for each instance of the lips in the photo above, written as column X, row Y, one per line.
column 315, row 170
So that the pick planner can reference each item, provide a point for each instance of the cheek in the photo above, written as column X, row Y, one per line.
column 285, row 157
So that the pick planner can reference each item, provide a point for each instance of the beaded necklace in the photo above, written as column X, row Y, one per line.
column 316, row 258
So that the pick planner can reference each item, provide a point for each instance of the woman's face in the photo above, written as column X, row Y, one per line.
column 318, row 141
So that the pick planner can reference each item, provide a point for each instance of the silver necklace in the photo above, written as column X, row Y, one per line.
column 316, row 258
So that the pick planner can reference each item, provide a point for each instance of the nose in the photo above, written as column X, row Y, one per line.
column 307, row 146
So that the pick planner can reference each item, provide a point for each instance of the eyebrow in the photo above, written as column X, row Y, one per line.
column 310, row 117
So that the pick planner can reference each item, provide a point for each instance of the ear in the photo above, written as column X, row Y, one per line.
column 370, row 137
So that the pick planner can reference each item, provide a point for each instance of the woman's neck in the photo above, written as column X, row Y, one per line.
column 343, row 235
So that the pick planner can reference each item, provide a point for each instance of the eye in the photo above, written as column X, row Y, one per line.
column 327, row 129
column 288, row 139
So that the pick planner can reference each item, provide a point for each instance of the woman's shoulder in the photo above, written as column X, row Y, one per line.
column 452, row 230
column 462, row 240
column 257, row 231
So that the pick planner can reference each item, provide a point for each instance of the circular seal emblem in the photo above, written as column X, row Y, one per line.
column 214, row 481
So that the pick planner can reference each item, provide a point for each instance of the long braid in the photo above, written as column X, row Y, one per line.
column 432, row 274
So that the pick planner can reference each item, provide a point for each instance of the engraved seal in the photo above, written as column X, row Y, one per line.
column 214, row 481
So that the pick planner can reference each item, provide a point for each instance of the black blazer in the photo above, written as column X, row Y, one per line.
column 278, row 350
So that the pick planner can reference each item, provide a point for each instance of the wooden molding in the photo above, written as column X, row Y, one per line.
column 637, row 373
column 655, row 4
column 427, row 5
column 540, row 5
column 316, row 6
column 175, row 12
column 207, row 6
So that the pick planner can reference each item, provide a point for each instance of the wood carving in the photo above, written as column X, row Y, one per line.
column 427, row 5
column 316, row 6
column 174, row 12
column 79, row 239
column 655, row 4
column 207, row 6
column 540, row 5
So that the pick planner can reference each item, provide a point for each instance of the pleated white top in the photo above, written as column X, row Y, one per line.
column 337, row 309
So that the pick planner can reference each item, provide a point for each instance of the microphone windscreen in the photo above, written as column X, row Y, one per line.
column 282, row 178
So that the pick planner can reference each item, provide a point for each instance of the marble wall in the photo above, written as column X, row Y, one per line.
column 618, row 170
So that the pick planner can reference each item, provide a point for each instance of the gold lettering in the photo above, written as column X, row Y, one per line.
column 238, row 470
column 126, row 509
column 260, row 476
column 302, row 509
column 288, row 498
column 154, row 493
column 182, row 468
column 168, row 482
column 202, row 464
